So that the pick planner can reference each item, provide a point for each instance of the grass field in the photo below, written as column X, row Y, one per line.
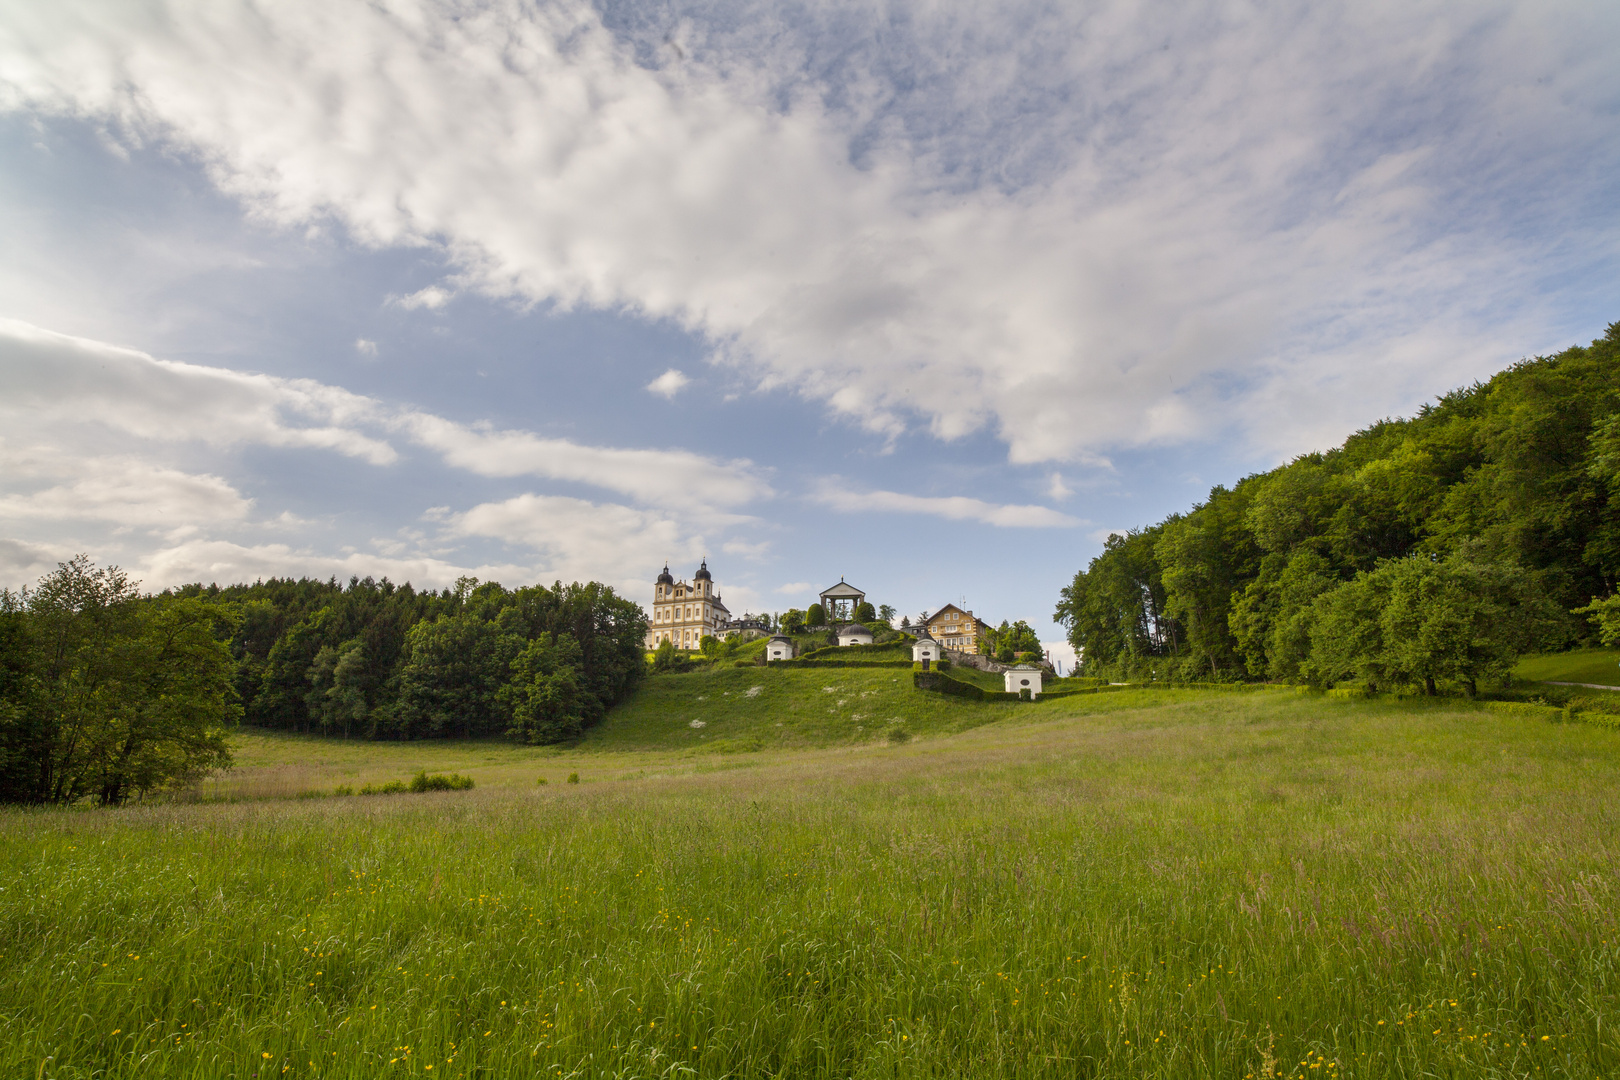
column 1167, row 884
column 1584, row 666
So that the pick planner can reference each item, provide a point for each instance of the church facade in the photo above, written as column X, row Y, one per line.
column 685, row 612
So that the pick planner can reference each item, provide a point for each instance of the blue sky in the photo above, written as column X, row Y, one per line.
column 931, row 298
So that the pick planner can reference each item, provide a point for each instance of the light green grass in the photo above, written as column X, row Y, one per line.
column 1584, row 666
column 1126, row 885
column 754, row 708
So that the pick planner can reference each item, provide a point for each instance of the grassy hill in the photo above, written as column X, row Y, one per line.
column 1143, row 883
column 1601, row 666
column 752, row 708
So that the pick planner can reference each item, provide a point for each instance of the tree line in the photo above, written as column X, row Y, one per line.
column 107, row 693
column 1425, row 551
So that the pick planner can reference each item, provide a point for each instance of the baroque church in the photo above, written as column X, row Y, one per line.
column 684, row 612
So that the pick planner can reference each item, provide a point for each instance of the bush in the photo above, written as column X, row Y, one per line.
column 343, row 789
column 573, row 778
column 440, row 782
column 540, row 781
column 393, row 787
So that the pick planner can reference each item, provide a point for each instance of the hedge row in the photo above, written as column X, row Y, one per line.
column 802, row 662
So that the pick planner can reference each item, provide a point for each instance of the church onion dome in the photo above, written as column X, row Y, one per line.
column 703, row 572
column 664, row 578
column 855, row 628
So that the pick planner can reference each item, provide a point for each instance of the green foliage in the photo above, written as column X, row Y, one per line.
column 424, row 781
column 792, row 621
column 1604, row 615
column 865, row 613
column 1521, row 471
column 391, row 787
column 1010, row 643
column 1416, row 620
column 815, row 616
column 573, row 778
column 381, row 661
column 109, row 694
column 543, row 694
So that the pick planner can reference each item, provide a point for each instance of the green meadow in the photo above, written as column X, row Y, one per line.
column 1600, row 666
column 836, row 875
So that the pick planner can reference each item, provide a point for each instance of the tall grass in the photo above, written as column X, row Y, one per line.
column 1234, row 886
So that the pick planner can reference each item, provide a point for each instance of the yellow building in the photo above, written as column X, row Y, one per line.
column 955, row 628
column 685, row 613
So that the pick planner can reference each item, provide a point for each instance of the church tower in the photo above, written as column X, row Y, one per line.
column 686, row 612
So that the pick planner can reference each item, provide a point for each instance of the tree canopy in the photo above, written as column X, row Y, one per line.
column 1422, row 549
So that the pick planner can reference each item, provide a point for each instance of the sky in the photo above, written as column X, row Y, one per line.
column 930, row 297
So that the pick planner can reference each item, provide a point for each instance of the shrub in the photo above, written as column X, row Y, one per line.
column 393, row 787
column 440, row 782
column 540, row 781
column 343, row 789
column 573, row 778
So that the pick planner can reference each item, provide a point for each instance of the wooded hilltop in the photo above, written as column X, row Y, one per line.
column 1423, row 551
column 107, row 693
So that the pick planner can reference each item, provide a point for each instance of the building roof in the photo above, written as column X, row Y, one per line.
column 665, row 578
column 926, row 636
column 854, row 628
column 952, row 607
column 843, row 589
column 782, row 637
column 703, row 572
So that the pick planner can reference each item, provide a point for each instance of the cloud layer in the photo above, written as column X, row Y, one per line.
column 1293, row 211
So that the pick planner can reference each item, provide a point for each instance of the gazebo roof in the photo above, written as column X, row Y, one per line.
column 854, row 628
column 841, row 590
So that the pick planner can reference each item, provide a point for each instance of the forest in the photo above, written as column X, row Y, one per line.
column 1429, row 551
column 107, row 693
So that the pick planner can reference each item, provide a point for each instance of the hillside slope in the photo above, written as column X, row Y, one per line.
column 752, row 708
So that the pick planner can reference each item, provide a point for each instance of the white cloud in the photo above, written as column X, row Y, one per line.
column 1212, row 212
column 951, row 507
column 657, row 477
column 668, row 384
column 23, row 563
column 797, row 588
column 748, row 549
column 50, row 381
column 365, row 347
column 432, row 298
column 123, row 490
column 1056, row 488
column 222, row 561
column 577, row 539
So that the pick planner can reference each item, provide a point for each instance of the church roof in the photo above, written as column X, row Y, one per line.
column 854, row 628
column 703, row 572
column 665, row 578
column 841, row 590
